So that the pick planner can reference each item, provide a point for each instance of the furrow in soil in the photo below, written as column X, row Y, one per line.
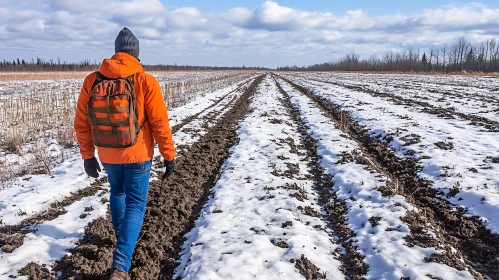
column 262, row 220
column 353, row 265
column 172, row 207
column 189, row 119
column 12, row 236
column 490, row 125
column 477, row 245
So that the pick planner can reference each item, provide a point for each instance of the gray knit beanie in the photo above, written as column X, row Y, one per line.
column 127, row 42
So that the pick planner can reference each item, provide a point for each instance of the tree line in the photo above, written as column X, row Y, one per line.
column 459, row 56
column 40, row 65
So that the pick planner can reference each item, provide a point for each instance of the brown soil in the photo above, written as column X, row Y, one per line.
column 309, row 211
column 282, row 244
column 445, row 145
column 353, row 265
column 208, row 119
column 189, row 119
column 11, row 241
column 12, row 237
column 449, row 113
column 478, row 246
column 374, row 221
column 308, row 269
column 35, row 272
column 170, row 214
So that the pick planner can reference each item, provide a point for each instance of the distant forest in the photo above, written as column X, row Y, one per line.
column 457, row 57
column 40, row 65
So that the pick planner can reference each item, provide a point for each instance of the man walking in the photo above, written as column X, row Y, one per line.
column 121, row 111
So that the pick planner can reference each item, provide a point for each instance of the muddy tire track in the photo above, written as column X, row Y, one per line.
column 172, row 208
column 189, row 119
column 12, row 236
column 449, row 113
column 208, row 120
column 476, row 244
column 353, row 265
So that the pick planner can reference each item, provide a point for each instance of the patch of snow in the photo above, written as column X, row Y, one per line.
column 240, row 242
column 383, row 246
column 464, row 166
column 53, row 238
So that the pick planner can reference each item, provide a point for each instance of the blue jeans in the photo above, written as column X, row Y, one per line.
column 129, row 187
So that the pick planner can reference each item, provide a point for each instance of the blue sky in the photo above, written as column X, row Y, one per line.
column 234, row 33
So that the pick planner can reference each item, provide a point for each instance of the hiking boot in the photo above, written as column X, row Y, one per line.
column 119, row 275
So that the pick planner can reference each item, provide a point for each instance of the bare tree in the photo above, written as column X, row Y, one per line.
column 444, row 53
column 459, row 56
column 432, row 53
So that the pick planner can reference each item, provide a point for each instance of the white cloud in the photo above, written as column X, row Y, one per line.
column 185, row 18
column 330, row 36
column 137, row 12
column 468, row 16
column 79, row 6
column 270, row 35
column 273, row 17
column 238, row 15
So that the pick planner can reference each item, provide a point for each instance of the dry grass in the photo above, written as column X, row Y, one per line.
column 178, row 93
column 7, row 173
column 24, row 76
column 33, row 115
column 62, row 75
column 41, row 115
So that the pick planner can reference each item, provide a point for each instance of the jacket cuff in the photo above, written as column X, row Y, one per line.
column 87, row 156
column 169, row 157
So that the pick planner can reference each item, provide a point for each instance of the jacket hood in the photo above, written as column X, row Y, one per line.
column 120, row 65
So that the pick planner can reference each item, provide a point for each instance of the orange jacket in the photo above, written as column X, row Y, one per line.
column 149, row 102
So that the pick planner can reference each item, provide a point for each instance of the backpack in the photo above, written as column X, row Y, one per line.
column 112, row 112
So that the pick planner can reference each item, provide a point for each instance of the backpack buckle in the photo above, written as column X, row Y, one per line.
column 114, row 129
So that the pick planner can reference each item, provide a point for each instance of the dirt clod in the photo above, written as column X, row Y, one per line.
column 287, row 224
column 35, row 272
column 10, row 242
column 445, row 145
column 308, row 269
column 309, row 211
column 282, row 244
column 374, row 221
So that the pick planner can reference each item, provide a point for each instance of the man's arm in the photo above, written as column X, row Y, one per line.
column 81, row 125
column 157, row 116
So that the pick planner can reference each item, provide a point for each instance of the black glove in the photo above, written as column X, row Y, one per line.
column 91, row 167
column 168, row 169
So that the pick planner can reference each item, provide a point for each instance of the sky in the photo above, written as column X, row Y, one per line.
column 235, row 33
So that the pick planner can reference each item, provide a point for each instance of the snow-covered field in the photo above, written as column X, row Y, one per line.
column 476, row 96
column 29, row 132
column 253, row 225
column 32, row 194
column 455, row 154
column 300, row 195
column 384, row 250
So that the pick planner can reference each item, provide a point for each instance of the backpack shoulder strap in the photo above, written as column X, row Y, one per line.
column 130, row 79
column 98, row 78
